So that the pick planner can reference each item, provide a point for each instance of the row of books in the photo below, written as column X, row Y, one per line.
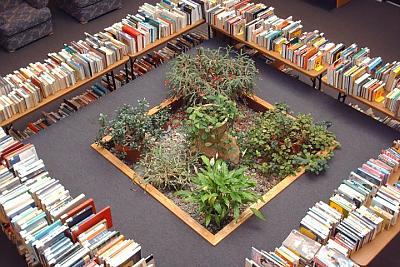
column 392, row 101
column 358, row 74
column 258, row 24
column 140, row 67
column 80, row 60
column 363, row 206
column 155, row 22
column 49, row 225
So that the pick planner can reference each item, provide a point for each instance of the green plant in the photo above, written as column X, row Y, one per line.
column 131, row 127
column 221, row 71
column 203, row 119
column 169, row 163
column 278, row 143
column 219, row 192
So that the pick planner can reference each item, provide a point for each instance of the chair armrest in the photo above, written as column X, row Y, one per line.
column 38, row 3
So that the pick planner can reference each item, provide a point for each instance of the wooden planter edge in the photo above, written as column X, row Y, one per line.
column 213, row 239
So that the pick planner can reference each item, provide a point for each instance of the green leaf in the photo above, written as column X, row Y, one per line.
column 236, row 212
column 208, row 219
column 258, row 214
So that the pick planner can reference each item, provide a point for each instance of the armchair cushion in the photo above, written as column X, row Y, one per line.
column 38, row 3
column 83, row 3
column 6, row 4
column 21, row 18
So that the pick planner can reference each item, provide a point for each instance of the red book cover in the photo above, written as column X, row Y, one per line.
column 132, row 32
column 12, row 147
column 33, row 127
column 103, row 214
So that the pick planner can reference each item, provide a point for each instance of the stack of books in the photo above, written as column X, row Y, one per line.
column 154, row 22
column 320, row 222
column 364, row 205
column 75, row 62
column 355, row 72
column 257, row 23
column 50, row 226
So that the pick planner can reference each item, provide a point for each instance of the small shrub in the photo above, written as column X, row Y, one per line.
column 132, row 127
column 194, row 76
column 169, row 163
column 218, row 111
column 219, row 192
column 278, row 144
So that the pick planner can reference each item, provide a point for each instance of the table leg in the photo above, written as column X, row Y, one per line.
column 126, row 73
column 113, row 80
column 341, row 97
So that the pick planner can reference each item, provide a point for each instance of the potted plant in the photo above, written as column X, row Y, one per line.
column 208, row 126
column 131, row 130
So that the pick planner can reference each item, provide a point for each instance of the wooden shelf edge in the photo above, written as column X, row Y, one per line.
column 312, row 74
column 63, row 92
column 370, row 104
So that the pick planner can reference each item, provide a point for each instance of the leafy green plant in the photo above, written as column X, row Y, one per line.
column 131, row 127
column 203, row 119
column 278, row 143
column 221, row 192
column 169, row 163
column 222, row 71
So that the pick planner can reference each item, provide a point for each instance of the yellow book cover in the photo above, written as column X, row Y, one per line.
column 308, row 233
column 318, row 63
column 379, row 94
column 278, row 46
column 338, row 208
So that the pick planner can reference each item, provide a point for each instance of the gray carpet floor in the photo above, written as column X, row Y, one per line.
column 65, row 147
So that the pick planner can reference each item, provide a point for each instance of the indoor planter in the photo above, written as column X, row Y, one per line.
column 251, row 101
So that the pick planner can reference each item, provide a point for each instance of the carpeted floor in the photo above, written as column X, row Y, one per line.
column 65, row 147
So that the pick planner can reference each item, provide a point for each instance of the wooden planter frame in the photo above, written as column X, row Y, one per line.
column 253, row 102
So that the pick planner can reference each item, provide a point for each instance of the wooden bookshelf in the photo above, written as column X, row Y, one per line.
column 275, row 55
column 167, row 39
column 375, row 105
column 63, row 92
column 364, row 256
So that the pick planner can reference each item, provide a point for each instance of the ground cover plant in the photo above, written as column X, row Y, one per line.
column 214, row 156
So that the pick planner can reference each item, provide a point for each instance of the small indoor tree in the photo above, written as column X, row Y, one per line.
column 221, row 70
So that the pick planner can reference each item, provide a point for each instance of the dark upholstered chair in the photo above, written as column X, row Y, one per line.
column 85, row 10
column 22, row 22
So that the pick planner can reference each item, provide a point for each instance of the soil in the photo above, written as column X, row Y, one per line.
column 264, row 184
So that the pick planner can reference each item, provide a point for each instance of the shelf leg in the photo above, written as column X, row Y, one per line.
column 209, row 31
column 7, row 128
column 126, row 73
column 132, row 61
column 113, row 80
column 314, row 82
column 108, row 80
column 341, row 97
column 320, row 82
